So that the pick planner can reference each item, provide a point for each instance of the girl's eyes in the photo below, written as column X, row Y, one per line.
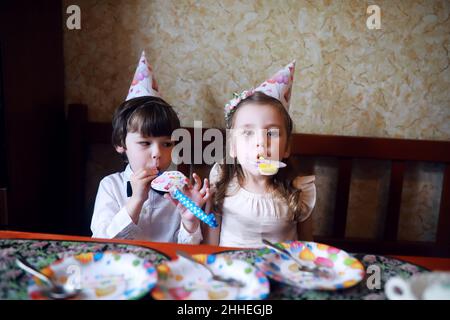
column 144, row 143
column 274, row 133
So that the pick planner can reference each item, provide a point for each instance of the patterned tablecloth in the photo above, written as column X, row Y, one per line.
column 367, row 289
column 40, row 253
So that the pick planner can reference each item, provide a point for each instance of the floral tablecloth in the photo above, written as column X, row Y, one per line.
column 40, row 253
column 367, row 289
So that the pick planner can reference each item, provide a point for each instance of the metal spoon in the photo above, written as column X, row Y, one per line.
column 229, row 281
column 55, row 290
column 321, row 272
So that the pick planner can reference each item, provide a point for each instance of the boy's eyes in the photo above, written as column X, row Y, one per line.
column 167, row 144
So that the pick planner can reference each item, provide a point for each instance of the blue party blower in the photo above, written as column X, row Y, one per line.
column 209, row 219
column 173, row 182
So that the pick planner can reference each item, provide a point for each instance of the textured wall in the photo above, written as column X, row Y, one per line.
column 349, row 80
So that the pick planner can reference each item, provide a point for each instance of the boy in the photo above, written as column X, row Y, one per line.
column 126, row 206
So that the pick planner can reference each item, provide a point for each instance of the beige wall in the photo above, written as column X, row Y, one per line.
column 349, row 80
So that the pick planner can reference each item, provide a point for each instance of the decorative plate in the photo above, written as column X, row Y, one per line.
column 182, row 279
column 102, row 275
column 169, row 179
column 346, row 271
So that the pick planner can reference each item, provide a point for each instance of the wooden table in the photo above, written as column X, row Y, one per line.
column 46, row 248
column 170, row 248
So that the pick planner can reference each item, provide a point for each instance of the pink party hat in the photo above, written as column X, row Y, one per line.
column 144, row 83
column 278, row 86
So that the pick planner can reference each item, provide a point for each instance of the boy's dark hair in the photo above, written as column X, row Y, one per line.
column 149, row 116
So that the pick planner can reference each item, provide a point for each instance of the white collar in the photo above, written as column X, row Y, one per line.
column 127, row 173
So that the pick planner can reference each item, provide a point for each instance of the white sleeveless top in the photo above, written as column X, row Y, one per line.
column 248, row 217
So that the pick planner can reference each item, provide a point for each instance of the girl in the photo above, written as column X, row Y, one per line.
column 252, row 206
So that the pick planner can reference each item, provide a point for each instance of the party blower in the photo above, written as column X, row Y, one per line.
column 268, row 167
column 173, row 182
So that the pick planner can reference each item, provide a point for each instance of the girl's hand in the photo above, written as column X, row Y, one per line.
column 140, row 184
column 198, row 193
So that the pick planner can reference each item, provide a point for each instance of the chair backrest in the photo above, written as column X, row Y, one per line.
column 343, row 148
column 398, row 152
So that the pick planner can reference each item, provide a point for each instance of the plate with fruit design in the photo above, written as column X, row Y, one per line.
column 100, row 275
column 342, row 270
column 183, row 279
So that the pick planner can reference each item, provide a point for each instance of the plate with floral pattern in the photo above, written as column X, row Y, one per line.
column 182, row 279
column 100, row 275
column 346, row 270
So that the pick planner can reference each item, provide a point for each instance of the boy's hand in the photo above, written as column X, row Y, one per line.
column 140, row 184
column 198, row 193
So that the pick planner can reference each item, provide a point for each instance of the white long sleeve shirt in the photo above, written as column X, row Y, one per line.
column 159, row 221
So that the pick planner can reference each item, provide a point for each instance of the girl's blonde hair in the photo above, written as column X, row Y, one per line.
column 280, row 182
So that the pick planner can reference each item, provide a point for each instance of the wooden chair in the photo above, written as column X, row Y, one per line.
column 398, row 151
